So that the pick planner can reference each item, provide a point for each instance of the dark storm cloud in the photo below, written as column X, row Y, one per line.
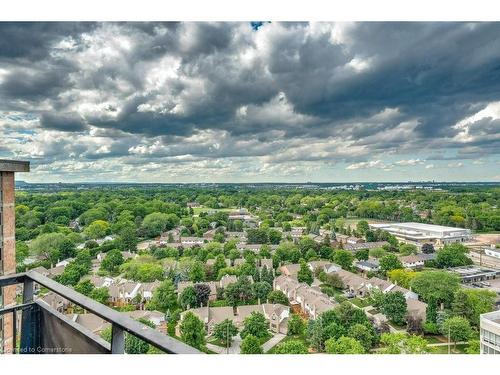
column 372, row 86
column 32, row 40
column 63, row 122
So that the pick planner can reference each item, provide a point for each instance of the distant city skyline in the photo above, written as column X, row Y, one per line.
column 261, row 102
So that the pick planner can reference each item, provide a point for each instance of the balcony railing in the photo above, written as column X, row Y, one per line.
column 45, row 330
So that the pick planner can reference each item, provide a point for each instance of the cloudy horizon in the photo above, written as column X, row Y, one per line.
column 241, row 102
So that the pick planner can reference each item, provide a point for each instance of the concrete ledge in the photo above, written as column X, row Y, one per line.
column 14, row 166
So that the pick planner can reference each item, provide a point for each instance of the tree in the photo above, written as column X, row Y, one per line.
column 261, row 290
column 128, row 238
column 224, row 332
column 344, row 345
column 428, row 248
column 257, row 236
column 188, row 299
column 471, row 303
column 401, row 277
column 343, row 258
column 436, row 287
column 256, row 325
column 402, row 343
column 407, row 249
column 48, row 246
column 192, row 331
column 296, row 325
column 141, row 270
column 197, row 272
column 274, row 236
column 101, row 295
column 250, row 345
column 362, row 254
column 474, row 347
column 240, row 291
column 365, row 334
column 394, row 307
column 457, row 329
column 362, row 227
column 390, row 262
column 112, row 261
column 277, row 296
column 84, row 287
column 156, row 223
column 291, row 347
column 164, row 297
column 133, row 344
column 452, row 255
column 333, row 280
column 202, row 292
column 97, row 229
column 219, row 264
column 305, row 274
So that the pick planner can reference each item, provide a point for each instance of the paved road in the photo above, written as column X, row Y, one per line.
column 446, row 344
column 272, row 342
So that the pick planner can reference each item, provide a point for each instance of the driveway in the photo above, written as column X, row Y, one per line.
column 273, row 341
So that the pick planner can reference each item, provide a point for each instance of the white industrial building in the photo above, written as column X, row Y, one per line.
column 419, row 233
column 490, row 333
column 492, row 252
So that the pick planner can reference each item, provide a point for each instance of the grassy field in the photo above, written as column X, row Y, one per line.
column 288, row 338
column 444, row 349
column 359, row 302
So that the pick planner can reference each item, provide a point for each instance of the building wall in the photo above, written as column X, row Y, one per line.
column 8, row 252
column 490, row 333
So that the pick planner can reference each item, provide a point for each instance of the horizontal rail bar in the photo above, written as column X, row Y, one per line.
column 151, row 336
column 15, row 308
column 13, row 279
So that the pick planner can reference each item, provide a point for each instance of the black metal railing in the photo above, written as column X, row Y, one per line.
column 37, row 319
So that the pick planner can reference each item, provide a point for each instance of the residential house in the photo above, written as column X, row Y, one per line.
column 290, row 269
column 297, row 232
column 310, row 300
column 172, row 235
column 364, row 245
column 123, row 293
column 210, row 316
column 147, row 289
column 276, row 314
column 415, row 261
column 56, row 302
column 354, row 240
column 268, row 263
column 226, row 280
column 370, row 265
column 241, row 236
column 238, row 262
column 192, row 241
column 101, row 282
column 254, row 247
column 96, row 324
column 211, row 262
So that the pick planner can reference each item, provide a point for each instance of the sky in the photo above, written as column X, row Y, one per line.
column 251, row 102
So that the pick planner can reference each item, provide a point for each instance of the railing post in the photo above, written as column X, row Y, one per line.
column 117, row 340
column 29, row 332
column 28, row 291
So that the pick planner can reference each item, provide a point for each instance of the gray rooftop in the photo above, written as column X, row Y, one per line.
column 14, row 166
